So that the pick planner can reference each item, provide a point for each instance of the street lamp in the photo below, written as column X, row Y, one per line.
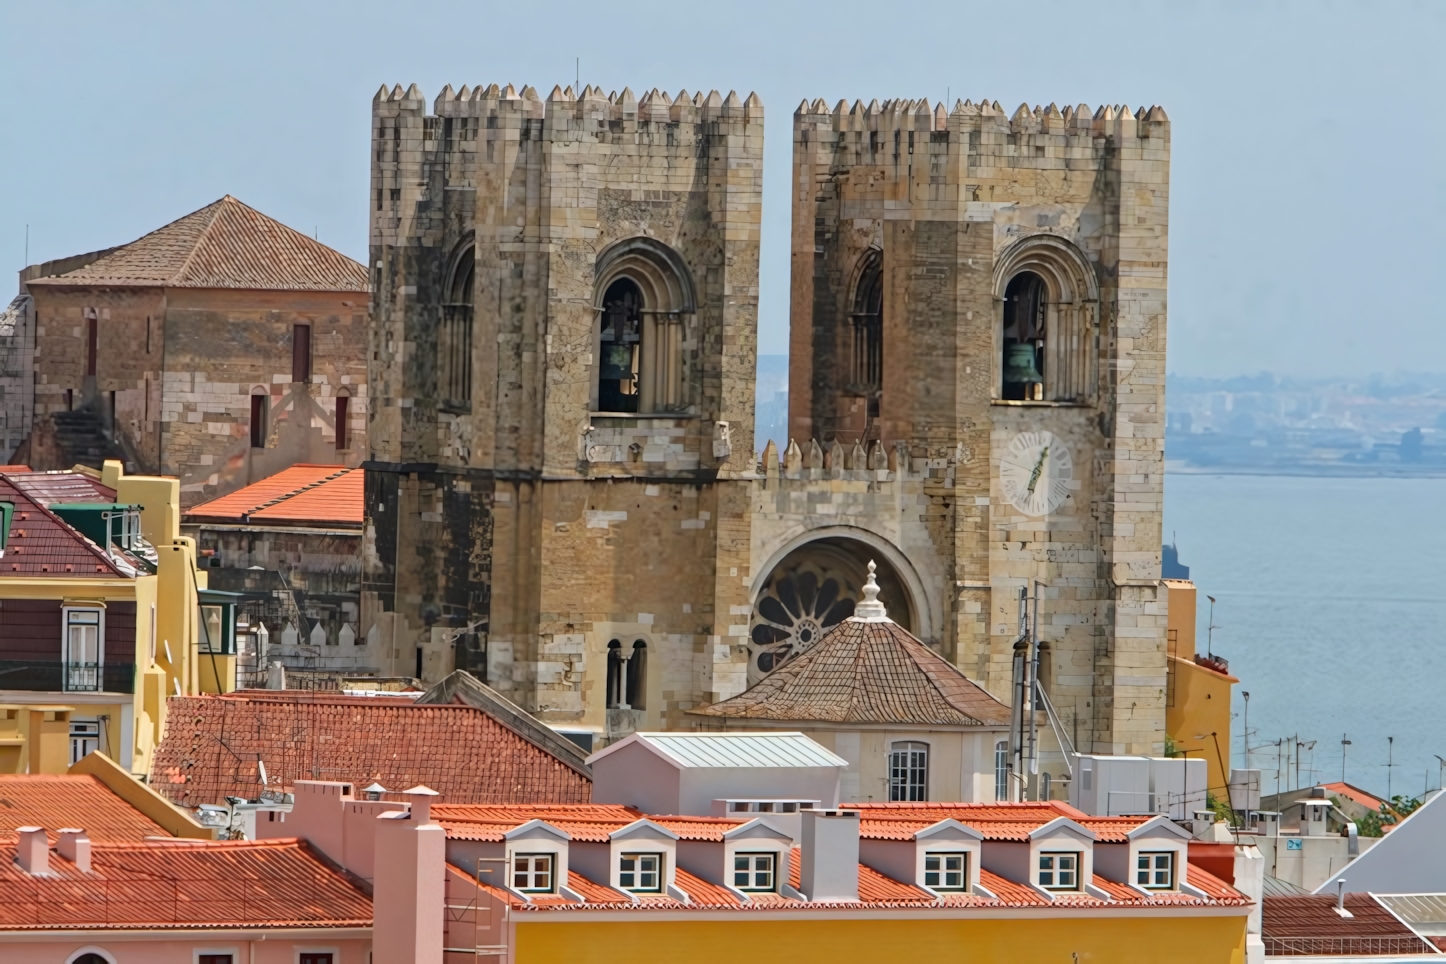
column 1344, row 743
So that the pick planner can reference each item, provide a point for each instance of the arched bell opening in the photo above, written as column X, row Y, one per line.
column 1025, row 334
column 810, row 591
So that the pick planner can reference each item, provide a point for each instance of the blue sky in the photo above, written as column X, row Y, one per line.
column 1308, row 182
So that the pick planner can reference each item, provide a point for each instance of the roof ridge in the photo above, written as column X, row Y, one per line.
column 216, row 206
column 69, row 529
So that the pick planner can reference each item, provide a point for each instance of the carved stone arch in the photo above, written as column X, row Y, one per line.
column 1071, row 314
column 460, row 278
column 809, row 584
column 652, row 273
column 865, row 331
column 454, row 331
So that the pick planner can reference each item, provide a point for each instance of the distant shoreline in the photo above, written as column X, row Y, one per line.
column 1396, row 471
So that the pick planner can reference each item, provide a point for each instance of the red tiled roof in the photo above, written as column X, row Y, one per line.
column 48, row 488
column 1310, row 925
column 212, row 745
column 60, row 800
column 190, row 884
column 1356, row 794
column 900, row 821
column 315, row 494
column 14, row 468
column 41, row 544
column 225, row 244
column 865, row 671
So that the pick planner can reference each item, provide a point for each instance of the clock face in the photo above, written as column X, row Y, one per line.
column 1035, row 472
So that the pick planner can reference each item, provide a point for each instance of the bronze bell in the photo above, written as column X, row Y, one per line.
column 1019, row 364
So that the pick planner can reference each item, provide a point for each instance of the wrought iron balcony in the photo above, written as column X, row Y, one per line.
column 56, row 676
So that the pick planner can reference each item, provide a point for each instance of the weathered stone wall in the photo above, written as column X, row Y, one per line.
column 536, row 555
column 182, row 364
column 955, row 204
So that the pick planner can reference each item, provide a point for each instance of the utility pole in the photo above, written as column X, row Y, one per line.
column 1245, row 742
column 1390, row 756
column 1344, row 743
column 1210, row 628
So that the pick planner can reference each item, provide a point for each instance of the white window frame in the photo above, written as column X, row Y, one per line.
column 1050, row 864
column 758, row 862
column 65, row 625
column 1151, row 869
column 638, row 873
column 908, row 785
column 942, row 873
column 535, row 861
column 78, row 953
column 235, row 953
column 1001, row 770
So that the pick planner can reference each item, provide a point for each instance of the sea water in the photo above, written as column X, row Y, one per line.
column 1331, row 608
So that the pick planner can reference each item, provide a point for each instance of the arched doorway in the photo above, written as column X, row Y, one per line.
column 811, row 590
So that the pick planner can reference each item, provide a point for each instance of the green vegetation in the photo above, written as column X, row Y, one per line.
column 1374, row 824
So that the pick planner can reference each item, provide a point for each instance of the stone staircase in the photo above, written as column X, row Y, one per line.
column 82, row 437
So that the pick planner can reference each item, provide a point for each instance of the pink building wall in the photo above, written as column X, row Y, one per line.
column 182, row 948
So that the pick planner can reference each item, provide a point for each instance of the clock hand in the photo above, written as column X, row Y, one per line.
column 1038, row 468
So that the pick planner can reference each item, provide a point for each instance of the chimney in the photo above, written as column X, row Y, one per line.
column 32, row 850
column 830, row 855
column 276, row 676
column 74, row 846
column 409, row 888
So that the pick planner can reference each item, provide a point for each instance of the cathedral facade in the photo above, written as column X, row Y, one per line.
column 563, row 492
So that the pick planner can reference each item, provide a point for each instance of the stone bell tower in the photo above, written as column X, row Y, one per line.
column 563, row 351
column 983, row 296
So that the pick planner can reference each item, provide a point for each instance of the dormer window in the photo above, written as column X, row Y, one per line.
column 1155, row 871
column 755, row 872
column 641, row 873
column 944, row 871
column 533, row 873
column 1059, row 871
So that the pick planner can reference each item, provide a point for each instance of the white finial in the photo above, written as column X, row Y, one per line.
column 871, row 609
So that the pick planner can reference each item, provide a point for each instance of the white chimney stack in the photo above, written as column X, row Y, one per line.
column 32, row 852
column 74, row 846
column 830, row 854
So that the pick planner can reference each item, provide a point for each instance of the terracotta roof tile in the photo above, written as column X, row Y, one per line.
column 48, row 488
column 314, row 494
column 225, row 244
column 40, row 544
column 1310, row 925
column 866, row 671
column 212, row 745
column 162, row 884
column 61, row 800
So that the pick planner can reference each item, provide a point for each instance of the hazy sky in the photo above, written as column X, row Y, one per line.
column 1308, row 185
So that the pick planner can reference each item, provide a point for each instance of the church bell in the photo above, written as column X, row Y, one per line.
column 1019, row 364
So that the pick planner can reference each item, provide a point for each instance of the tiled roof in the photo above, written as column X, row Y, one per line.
column 460, row 686
column 593, row 823
column 48, row 488
column 166, row 884
column 900, row 821
column 1355, row 794
column 225, row 244
column 42, row 545
column 312, row 494
column 212, row 745
column 61, row 800
column 1310, row 925
column 866, row 671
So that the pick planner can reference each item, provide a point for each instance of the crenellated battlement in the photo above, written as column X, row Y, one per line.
column 653, row 107
column 986, row 116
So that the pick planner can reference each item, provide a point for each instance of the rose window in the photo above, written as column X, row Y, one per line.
column 795, row 610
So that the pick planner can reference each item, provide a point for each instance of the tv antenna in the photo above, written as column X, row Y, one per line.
column 1210, row 630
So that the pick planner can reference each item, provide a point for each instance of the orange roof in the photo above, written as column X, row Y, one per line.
column 212, row 745
column 61, row 800
column 14, row 468
column 865, row 671
column 1354, row 793
column 225, row 244
column 305, row 493
column 184, row 884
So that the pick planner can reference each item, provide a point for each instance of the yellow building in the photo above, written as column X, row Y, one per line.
column 103, row 615
column 1197, row 692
